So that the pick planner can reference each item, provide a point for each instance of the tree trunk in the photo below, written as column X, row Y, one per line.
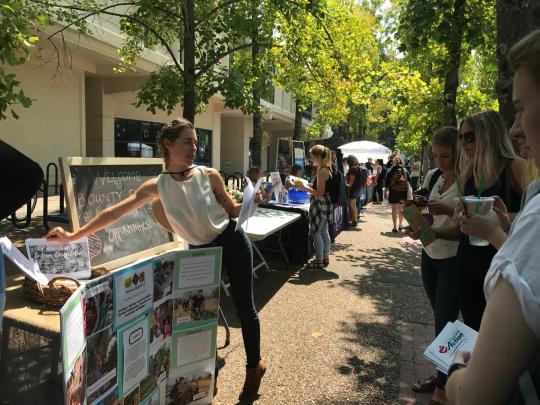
column 256, row 141
column 189, row 61
column 297, row 133
column 451, row 80
column 515, row 19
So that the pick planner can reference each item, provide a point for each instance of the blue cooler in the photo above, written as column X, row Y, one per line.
column 298, row 196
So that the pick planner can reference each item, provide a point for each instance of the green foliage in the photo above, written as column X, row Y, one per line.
column 328, row 59
column 20, row 24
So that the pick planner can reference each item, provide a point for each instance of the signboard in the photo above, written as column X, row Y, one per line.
column 145, row 334
column 93, row 184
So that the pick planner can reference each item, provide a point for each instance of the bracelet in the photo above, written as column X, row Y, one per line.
column 454, row 367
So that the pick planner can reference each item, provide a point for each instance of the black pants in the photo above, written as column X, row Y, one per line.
column 472, row 266
column 21, row 179
column 414, row 183
column 237, row 259
column 378, row 191
column 440, row 282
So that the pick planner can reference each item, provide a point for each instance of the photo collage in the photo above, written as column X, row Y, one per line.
column 146, row 333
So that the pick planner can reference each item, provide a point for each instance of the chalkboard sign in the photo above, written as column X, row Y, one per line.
column 93, row 184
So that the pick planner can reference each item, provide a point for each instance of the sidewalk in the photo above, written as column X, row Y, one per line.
column 353, row 334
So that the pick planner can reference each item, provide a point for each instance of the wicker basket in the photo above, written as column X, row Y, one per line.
column 55, row 294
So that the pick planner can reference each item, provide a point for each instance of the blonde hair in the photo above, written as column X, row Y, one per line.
column 397, row 161
column 323, row 153
column 492, row 145
column 526, row 54
column 172, row 132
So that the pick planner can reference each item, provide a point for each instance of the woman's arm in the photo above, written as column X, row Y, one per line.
column 448, row 233
column 109, row 215
column 222, row 196
column 504, row 348
column 322, row 175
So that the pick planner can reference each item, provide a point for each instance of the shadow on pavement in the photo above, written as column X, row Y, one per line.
column 390, row 278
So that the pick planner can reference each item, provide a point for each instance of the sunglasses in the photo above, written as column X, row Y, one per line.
column 469, row 137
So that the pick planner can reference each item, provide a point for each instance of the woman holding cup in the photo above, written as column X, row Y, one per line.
column 509, row 336
column 488, row 168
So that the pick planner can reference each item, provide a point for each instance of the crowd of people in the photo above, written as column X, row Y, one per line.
column 495, row 287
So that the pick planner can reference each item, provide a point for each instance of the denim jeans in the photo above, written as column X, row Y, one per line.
column 439, row 277
column 237, row 259
column 321, row 241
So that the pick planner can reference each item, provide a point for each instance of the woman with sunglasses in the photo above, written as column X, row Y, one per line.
column 497, row 371
column 487, row 161
column 177, row 195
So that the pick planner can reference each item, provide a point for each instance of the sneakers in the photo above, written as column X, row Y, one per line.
column 252, row 383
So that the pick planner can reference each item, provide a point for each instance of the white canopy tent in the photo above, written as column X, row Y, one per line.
column 363, row 150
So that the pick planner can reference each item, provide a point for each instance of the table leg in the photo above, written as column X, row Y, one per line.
column 4, row 383
column 55, row 355
column 280, row 243
column 263, row 262
column 227, row 330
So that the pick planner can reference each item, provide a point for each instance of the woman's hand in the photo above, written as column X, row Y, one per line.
column 412, row 234
column 59, row 234
column 481, row 226
column 462, row 357
column 437, row 207
column 502, row 213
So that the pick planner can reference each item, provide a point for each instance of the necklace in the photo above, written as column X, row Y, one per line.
column 183, row 172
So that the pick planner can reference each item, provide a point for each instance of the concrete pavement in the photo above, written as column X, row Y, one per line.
column 353, row 334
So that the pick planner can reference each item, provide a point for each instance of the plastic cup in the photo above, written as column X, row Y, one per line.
column 479, row 206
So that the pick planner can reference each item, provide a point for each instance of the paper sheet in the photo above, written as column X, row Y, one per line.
column 248, row 204
column 61, row 259
column 28, row 267
column 456, row 336
column 275, row 178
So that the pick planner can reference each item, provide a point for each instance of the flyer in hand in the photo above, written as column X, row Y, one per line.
column 417, row 222
column 456, row 336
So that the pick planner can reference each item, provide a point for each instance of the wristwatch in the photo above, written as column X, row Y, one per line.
column 454, row 367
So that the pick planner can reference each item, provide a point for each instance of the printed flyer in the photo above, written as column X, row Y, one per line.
column 60, row 259
column 146, row 333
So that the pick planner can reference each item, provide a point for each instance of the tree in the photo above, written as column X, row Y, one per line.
column 327, row 58
column 438, row 33
column 515, row 19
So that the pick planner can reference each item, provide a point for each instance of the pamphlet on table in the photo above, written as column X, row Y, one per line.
column 145, row 333
column 28, row 267
column 275, row 178
column 456, row 336
column 58, row 259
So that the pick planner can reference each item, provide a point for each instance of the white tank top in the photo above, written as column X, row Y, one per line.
column 192, row 208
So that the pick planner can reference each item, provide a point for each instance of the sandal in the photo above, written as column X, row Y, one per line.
column 326, row 261
column 314, row 264
column 426, row 385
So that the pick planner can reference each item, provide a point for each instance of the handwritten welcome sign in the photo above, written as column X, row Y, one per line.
column 94, row 184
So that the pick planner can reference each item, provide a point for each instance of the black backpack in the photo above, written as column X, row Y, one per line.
column 398, row 179
column 338, row 188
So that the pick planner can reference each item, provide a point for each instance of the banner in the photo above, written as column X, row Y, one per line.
column 146, row 333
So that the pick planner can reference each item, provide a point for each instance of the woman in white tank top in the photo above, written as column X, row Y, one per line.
column 193, row 203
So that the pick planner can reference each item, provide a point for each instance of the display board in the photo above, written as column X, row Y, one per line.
column 93, row 184
column 146, row 333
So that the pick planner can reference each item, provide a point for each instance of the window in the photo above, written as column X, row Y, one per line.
column 204, row 149
column 134, row 138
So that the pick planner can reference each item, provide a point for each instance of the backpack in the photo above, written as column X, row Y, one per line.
column 425, row 192
column 338, row 188
column 398, row 181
